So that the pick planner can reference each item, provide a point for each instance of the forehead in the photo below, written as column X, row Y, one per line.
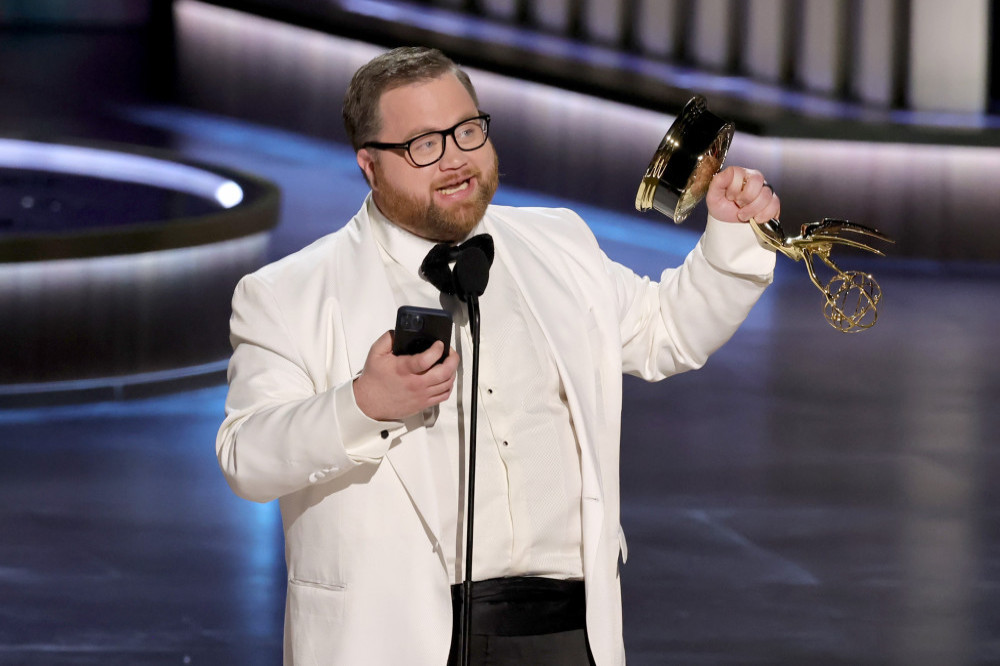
column 424, row 106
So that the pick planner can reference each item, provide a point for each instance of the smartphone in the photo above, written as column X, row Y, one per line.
column 417, row 328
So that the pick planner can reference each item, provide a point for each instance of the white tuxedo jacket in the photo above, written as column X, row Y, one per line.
column 367, row 583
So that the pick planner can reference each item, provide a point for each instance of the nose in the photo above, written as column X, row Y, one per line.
column 454, row 157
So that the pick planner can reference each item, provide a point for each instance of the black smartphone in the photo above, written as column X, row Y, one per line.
column 417, row 328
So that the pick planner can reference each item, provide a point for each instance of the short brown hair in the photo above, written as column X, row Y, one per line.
column 393, row 69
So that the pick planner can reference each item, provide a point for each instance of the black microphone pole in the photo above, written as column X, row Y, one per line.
column 471, row 274
column 473, row 303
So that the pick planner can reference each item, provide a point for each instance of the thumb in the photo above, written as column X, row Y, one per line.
column 383, row 345
column 723, row 179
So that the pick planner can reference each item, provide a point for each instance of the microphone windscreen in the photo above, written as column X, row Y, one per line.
column 436, row 269
column 472, row 273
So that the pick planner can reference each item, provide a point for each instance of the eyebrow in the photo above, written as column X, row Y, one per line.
column 421, row 132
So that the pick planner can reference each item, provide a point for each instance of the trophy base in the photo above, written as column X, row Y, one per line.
column 690, row 154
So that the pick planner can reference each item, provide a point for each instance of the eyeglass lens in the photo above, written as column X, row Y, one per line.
column 429, row 148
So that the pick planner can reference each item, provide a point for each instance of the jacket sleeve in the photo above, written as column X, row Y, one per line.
column 674, row 325
column 280, row 433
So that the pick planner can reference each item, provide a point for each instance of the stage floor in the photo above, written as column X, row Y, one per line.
column 806, row 498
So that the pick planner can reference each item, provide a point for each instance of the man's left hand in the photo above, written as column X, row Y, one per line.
column 737, row 194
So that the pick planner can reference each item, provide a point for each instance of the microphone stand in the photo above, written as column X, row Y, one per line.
column 467, row 281
column 473, row 305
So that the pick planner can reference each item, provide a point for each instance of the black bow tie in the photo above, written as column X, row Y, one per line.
column 436, row 265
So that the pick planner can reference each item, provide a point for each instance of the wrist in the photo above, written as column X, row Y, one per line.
column 363, row 398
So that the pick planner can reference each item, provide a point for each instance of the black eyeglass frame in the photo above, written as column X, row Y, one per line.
column 484, row 118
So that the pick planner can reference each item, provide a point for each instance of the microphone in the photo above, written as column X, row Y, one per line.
column 436, row 266
column 471, row 274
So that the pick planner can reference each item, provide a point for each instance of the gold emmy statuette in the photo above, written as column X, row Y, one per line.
column 677, row 178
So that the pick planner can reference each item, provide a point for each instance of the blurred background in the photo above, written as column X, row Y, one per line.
column 807, row 497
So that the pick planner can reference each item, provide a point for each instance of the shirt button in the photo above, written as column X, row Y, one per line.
column 506, row 443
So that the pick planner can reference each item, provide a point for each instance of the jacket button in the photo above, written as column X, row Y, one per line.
column 385, row 434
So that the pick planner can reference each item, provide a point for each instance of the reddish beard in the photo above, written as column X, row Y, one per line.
column 428, row 220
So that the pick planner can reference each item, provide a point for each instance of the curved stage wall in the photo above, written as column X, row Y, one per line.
column 117, row 268
column 937, row 201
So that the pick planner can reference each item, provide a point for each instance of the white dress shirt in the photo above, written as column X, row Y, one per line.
column 528, row 488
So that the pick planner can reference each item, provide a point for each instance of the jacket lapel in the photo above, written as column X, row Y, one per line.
column 361, row 284
column 367, row 307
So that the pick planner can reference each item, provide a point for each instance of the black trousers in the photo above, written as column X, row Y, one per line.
column 518, row 621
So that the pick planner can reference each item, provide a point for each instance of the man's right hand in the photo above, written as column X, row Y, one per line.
column 391, row 388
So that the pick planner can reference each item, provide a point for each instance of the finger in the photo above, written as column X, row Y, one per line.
column 442, row 390
column 773, row 210
column 758, row 199
column 438, row 398
column 439, row 373
column 450, row 363
column 753, row 208
column 738, row 191
column 432, row 387
column 425, row 360
column 751, row 188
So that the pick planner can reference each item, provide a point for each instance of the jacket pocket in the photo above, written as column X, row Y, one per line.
column 315, row 622
column 313, row 599
column 329, row 587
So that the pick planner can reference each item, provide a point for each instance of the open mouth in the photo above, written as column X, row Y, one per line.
column 453, row 189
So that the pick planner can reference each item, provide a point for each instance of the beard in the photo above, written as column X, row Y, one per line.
column 428, row 220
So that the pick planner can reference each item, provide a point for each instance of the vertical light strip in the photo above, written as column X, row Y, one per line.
column 949, row 52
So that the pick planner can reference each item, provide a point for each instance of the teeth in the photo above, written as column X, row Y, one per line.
column 457, row 188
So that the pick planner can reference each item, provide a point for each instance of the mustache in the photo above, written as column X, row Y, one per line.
column 453, row 180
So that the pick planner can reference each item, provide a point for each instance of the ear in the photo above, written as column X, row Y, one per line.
column 366, row 160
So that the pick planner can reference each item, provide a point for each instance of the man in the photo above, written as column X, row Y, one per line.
column 366, row 450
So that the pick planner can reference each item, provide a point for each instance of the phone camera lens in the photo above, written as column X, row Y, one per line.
column 410, row 322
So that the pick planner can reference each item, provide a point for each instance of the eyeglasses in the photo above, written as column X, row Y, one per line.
column 428, row 148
